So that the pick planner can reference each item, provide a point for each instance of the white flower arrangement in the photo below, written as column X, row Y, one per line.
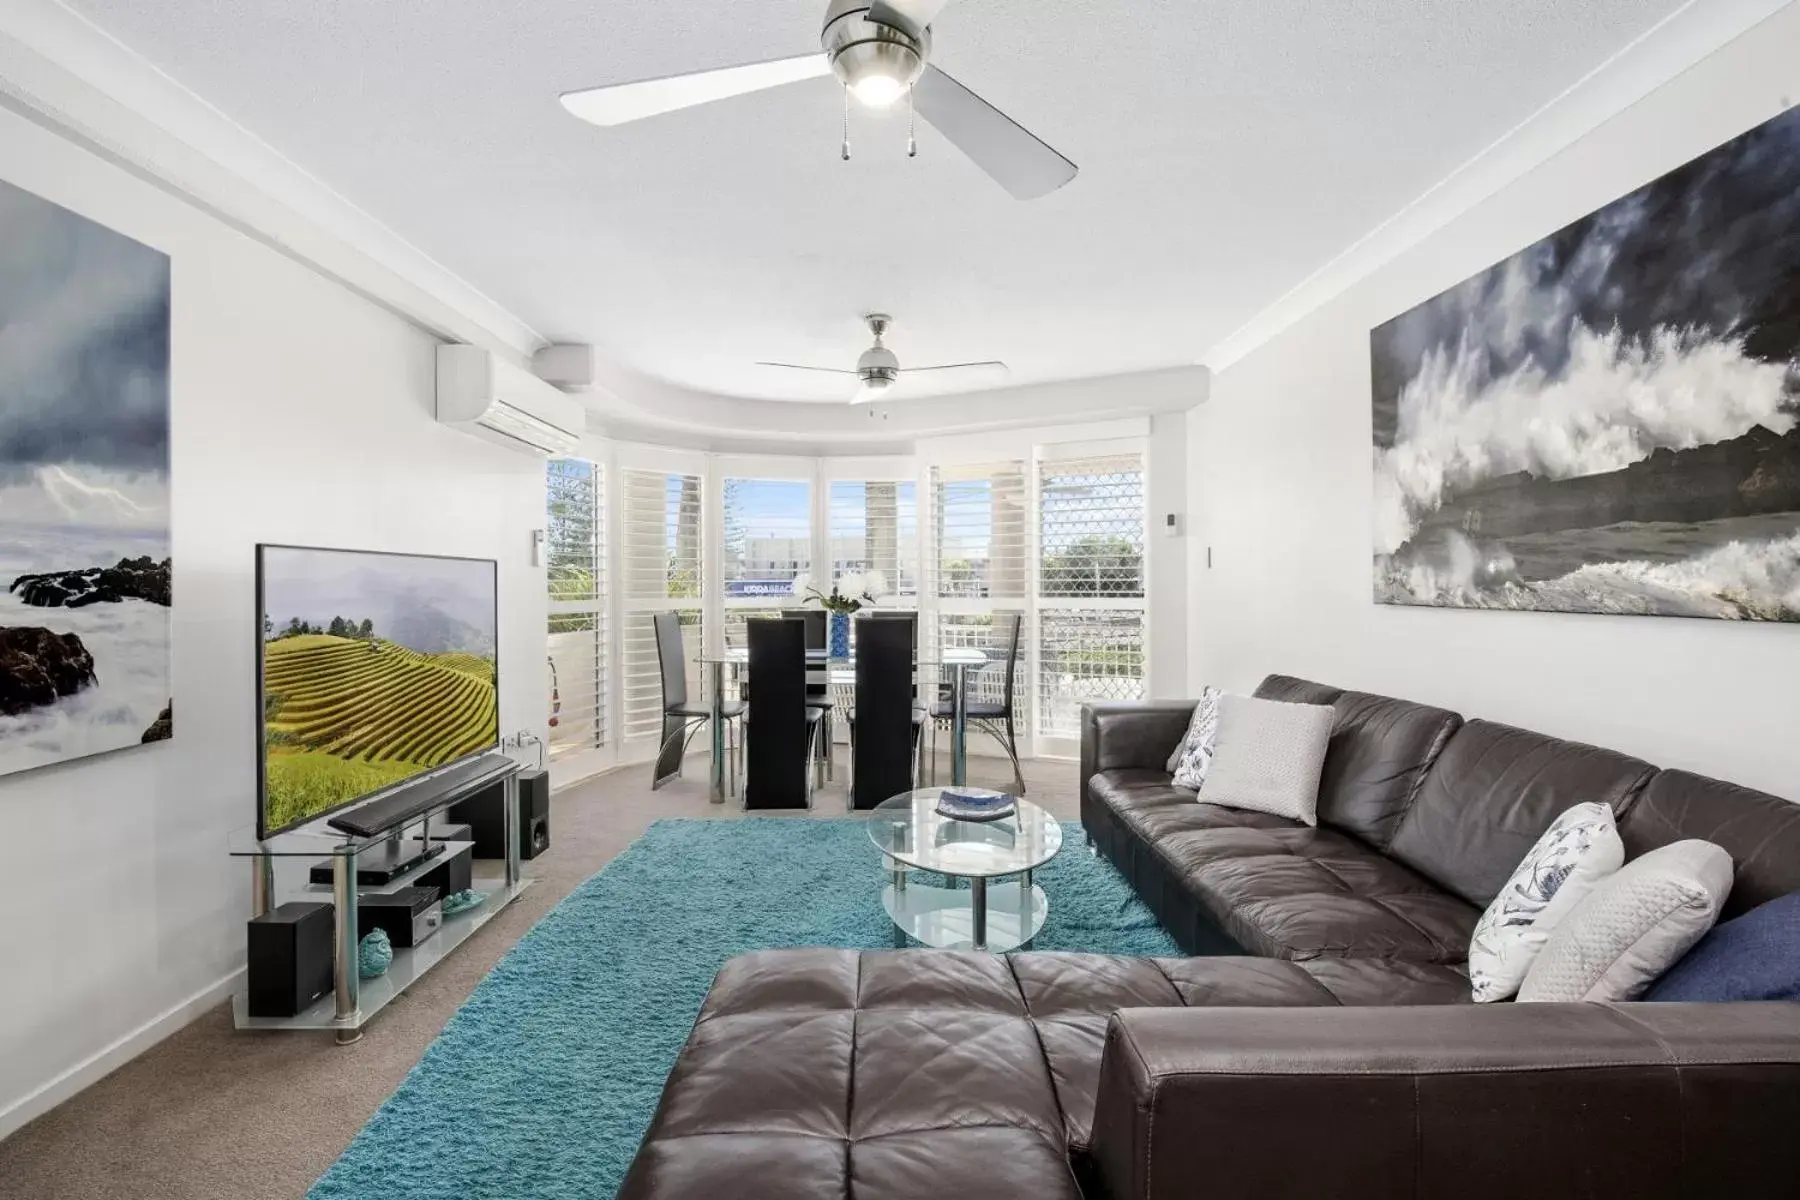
column 853, row 591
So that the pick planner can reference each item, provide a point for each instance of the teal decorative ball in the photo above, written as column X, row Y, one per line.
column 374, row 954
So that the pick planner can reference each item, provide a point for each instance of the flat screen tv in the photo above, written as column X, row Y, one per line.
column 371, row 670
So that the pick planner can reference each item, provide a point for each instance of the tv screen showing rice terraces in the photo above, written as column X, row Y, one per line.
column 375, row 668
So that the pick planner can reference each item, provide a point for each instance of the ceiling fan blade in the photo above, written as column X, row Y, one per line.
column 914, row 16
column 619, row 103
column 1017, row 159
column 802, row 367
column 987, row 368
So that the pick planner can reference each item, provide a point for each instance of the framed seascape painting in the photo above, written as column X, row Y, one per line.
column 85, row 588
column 1606, row 422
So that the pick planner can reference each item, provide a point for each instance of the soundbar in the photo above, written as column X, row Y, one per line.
column 398, row 807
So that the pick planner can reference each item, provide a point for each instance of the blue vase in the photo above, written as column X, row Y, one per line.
column 840, row 635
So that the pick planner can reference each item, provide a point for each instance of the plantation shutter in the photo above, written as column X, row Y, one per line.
column 977, row 571
column 766, row 543
column 873, row 525
column 1090, row 596
column 575, row 558
column 661, row 567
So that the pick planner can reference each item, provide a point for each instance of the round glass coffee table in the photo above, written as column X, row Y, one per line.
column 1001, row 909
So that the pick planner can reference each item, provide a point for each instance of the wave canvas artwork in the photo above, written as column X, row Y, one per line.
column 1609, row 420
column 85, row 584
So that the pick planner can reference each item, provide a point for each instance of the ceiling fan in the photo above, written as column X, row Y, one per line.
column 878, row 370
column 881, row 51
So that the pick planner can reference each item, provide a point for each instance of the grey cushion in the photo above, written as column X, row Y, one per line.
column 1267, row 757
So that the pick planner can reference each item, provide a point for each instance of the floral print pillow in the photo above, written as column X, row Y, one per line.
column 1194, row 756
column 1579, row 850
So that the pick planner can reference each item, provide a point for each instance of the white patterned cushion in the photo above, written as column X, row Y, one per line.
column 1191, row 759
column 1268, row 755
column 1580, row 849
column 1634, row 926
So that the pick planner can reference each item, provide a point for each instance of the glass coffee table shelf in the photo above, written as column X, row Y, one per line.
column 1001, row 908
column 945, row 918
column 409, row 964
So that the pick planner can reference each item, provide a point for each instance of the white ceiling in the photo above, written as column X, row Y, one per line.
column 1228, row 149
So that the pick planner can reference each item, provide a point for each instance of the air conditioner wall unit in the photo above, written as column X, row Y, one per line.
column 487, row 396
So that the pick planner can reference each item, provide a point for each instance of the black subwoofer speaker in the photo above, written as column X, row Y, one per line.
column 482, row 814
column 289, row 959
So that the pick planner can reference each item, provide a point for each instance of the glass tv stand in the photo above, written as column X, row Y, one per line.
column 280, row 871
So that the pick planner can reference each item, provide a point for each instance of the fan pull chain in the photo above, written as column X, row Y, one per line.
column 846, row 122
column 912, row 124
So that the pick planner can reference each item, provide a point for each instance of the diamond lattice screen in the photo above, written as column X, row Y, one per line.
column 1091, row 528
column 1086, row 655
column 1090, row 586
column 575, row 561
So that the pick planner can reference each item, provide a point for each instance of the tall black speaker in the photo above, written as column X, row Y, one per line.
column 486, row 821
column 289, row 959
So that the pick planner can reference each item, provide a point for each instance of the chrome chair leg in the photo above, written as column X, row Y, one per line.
column 731, row 754
column 829, row 741
column 1004, row 735
column 814, row 776
column 688, row 729
column 933, row 775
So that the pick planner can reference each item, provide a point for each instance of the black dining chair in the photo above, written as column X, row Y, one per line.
column 681, row 718
column 912, row 617
column 781, row 727
column 995, row 720
column 886, row 726
column 818, row 684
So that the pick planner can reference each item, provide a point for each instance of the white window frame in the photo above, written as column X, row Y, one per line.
column 1028, row 447
column 892, row 469
column 568, row 764
column 641, row 744
column 755, row 468
column 1050, row 743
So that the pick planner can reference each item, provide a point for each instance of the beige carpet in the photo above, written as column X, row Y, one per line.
column 214, row 1114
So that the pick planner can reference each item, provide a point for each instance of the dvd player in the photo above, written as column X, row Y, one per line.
column 414, row 800
column 381, row 863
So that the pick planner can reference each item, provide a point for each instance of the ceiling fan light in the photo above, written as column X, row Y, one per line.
column 878, row 90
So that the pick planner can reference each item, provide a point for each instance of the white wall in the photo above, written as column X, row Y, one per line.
column 1281, row 484
column 302, row 413
column 1168, row 555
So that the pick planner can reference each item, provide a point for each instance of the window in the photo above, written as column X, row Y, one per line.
column 874, row 526
column 661, row 565
column 1090, row 586
column 978, row 557
column 978, row 544
column 575, row 558
column 767, row 544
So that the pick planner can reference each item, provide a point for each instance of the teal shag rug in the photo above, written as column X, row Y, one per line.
column 543, row 1083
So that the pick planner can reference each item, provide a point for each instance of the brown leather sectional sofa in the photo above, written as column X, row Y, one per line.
column 1320, row 1044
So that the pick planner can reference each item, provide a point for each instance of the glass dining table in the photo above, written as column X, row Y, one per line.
column 841, row 672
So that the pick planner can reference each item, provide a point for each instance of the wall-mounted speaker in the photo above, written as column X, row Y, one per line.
column 289, row 959
column 486, row 821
